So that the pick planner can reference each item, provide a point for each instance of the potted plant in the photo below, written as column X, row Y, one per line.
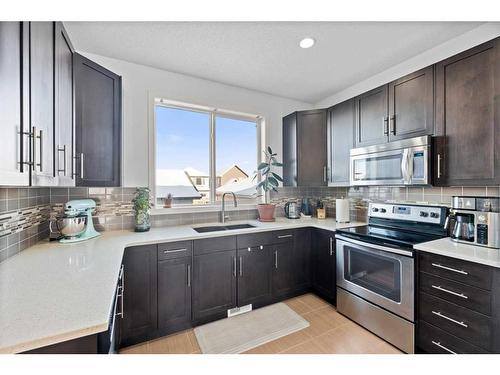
column 167, row 202
column 142, row 204
column 269, row 181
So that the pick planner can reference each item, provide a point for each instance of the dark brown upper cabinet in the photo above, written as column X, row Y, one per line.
column 411, row 106
column 64, row 108
column 372, row 120
column 14, row 145
column 97, row 124
column 402, row 109
column 341, row 122
column 305, row 149
column 41, row 101
column 468, row 117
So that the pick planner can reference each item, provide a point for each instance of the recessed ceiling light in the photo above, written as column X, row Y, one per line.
column 307, row 43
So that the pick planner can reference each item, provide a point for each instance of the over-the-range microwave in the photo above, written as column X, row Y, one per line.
column 405, row 162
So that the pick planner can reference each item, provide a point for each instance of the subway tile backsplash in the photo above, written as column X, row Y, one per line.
column 25, row 212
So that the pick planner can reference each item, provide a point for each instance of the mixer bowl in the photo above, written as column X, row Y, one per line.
column 71, row 226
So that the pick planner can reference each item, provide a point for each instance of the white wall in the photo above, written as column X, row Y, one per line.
column 461, row 43
column 140, row 81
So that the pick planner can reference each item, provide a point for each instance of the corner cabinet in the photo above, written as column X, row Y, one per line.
column 468, row 118
column 341, row 121
column 305, row 148
column 97, row 124
column 324, row 265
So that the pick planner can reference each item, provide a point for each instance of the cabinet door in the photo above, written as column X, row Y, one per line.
column 290, row 150
column 283, row 270
column 13, row 171
column 140, row 293
column 97, row 124
column 372, row 121
column 64, row 107
column 254, row 276
column 174, row 294
column 411, row 105
column 323, row 257
column 214, row 285
column 42, row 101
column 468, row 116
column 341, row 120
column 302, row 259
column 311, row 148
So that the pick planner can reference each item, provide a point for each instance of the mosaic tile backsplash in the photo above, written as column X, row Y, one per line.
column 25, row 212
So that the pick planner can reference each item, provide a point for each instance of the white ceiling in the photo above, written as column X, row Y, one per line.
column 265, row 56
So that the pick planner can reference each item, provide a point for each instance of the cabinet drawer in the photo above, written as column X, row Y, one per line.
column 466, row 324
column 255, row 239
column 436, row 341
column 462, row 271
column 213, row 245
column 283, row 236
column 173, row 250
column 461, row 294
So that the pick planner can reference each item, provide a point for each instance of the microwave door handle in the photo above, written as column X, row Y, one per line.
column 404, row 166
column 410, row 166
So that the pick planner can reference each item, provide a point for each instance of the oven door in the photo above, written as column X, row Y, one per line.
column 379, row 274
column 380, row 168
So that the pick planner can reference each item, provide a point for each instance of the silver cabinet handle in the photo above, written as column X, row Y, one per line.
column 276, row 259
column 63, row 150
column 324, row 173
column 449, row 268
column 234, row 266
column 23, row 157
column 331, row 246
column 262, row 247
column 385, row 123
column 438, row 344
column 439, row 166
column 241, row 266
column 40, row 137
column 438, row 313
column 189, row 276
column 249, row 248
column 285, row 236
column 81, row 165
column 393, row 124
column 33, row 147
column 174, row 251
column 438, row 287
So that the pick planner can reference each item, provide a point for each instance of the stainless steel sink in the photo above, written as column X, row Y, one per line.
column 219, row 228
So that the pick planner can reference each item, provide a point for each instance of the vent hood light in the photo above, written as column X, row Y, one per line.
column 307, row 43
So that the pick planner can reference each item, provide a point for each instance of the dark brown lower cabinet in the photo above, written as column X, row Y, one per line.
column 140, row 315
column 302, row 259
column 174, row 294
column 323, row 265
column 283, row 270
column 214, row 285
column 254, row 276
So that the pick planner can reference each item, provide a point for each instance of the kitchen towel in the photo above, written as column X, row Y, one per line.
column 342, row 210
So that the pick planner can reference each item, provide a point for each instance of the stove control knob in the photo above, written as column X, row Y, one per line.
column 383, row 210
column 424, row 214
column 374, row 209
column 434, row 215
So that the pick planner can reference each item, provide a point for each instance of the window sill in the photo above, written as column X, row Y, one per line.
column 200, row 209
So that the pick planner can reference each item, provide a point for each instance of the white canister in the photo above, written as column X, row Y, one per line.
column 342, row 210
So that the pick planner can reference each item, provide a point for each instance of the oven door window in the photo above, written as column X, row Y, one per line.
column 387, row 167
column 376, row 273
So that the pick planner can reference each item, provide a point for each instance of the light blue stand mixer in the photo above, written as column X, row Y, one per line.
column 76, row 224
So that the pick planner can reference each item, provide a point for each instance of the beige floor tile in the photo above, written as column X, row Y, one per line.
column 193, row 341
column 314, row 302
column 386, row 348
column 307, row 347
column 179, row 343
column 323, row 320
column 136, row 349
column 298, row 306
column 281, row 344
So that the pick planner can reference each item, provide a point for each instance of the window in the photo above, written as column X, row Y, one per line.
column 194, row 168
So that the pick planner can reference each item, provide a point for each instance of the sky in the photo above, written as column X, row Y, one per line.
column 183, row 141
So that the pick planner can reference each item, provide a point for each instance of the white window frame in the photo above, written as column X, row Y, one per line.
column 155, row 100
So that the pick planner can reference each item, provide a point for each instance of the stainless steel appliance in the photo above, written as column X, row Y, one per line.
column 405, row 162
column 475, row 220
column 292, row 210
column 375, row 268
column 76, row 223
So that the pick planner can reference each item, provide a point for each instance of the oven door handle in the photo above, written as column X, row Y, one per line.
column 373, row 246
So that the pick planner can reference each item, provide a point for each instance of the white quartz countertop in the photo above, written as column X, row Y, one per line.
column 471, row 253
column 55, row 292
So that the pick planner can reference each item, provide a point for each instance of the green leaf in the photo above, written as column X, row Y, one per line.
column 269, row 150
column 273, row 181
column 277, row 177
column 263, row 165
column 276, row 164
column 265, row 170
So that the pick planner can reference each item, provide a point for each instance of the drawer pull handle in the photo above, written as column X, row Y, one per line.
column 173, row 251
column 438, row 313
column 461, row 295
column 285, row 236
column 449, row 268
column 438, row 344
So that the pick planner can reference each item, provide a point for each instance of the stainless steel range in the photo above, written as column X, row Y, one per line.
column 376, row 270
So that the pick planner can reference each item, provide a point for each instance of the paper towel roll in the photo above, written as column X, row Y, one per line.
column 342, row 210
